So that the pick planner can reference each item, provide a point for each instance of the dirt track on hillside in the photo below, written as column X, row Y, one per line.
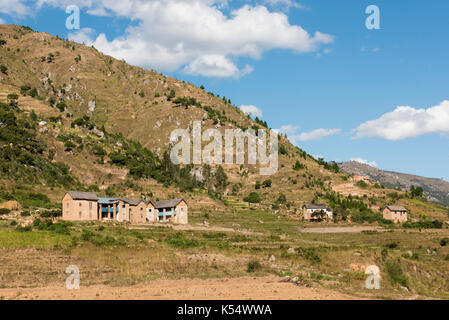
column 268, row 287
column 199, row 227
column 355, row 229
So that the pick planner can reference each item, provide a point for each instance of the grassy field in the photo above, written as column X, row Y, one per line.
column 237, row 243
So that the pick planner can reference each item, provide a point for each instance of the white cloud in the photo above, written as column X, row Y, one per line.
column 286, row 4
column 2, row 21
column 14, row 7
column 195, row 35
column 287, row 129
column 361, row 160
column 101, row 12
column 84, row 35
column 216, row 66
column 407, row 122
column 251, row 110
column 317, row 134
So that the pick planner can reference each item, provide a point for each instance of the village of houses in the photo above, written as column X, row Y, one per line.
column 86, row 206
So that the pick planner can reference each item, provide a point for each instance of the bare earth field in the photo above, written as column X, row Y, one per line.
column 240, row 255
column 264, row 288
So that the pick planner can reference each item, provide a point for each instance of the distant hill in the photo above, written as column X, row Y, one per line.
column 434, row 189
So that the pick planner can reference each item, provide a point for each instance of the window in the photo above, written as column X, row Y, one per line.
column 141, row 209
column 90, row 205
column 79, row 203
column 182, row 209
column 80, row 214
column 67, row 204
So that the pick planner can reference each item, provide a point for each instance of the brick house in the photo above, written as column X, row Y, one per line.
column 151, row 212
column 86, row 206
column 314, row 211
column 108, row 209
column 397, row 214
column 137, row 210
column 122, row 209
column 172, row 211
column 81, row 206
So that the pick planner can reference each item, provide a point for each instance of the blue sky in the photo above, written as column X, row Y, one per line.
column 335, row 94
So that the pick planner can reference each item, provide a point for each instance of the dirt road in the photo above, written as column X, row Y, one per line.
column 340, row 229
column 268, row 287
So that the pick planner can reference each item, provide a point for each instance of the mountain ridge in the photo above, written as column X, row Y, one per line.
column 435, row 189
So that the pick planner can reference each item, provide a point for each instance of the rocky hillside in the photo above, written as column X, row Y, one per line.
column 104, row 125
column 434, row 189
column 110, row 122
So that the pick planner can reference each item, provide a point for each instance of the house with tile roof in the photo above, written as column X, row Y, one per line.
column 397, row 214
column 80, row 206
column 316, row 212
column 174, row 210
column 86, row 206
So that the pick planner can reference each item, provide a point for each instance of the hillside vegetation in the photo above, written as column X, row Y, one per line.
column 96, row 123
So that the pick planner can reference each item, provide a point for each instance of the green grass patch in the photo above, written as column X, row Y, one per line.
column 178, row 240
column 395, row 274
column 10, row 239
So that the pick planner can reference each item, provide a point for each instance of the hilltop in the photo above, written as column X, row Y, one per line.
column 107, row 125
column 434, row 189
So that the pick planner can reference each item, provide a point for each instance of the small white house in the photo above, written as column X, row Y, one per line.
column 316, row 211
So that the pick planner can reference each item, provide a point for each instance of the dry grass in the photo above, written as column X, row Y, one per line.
column 332, row 260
